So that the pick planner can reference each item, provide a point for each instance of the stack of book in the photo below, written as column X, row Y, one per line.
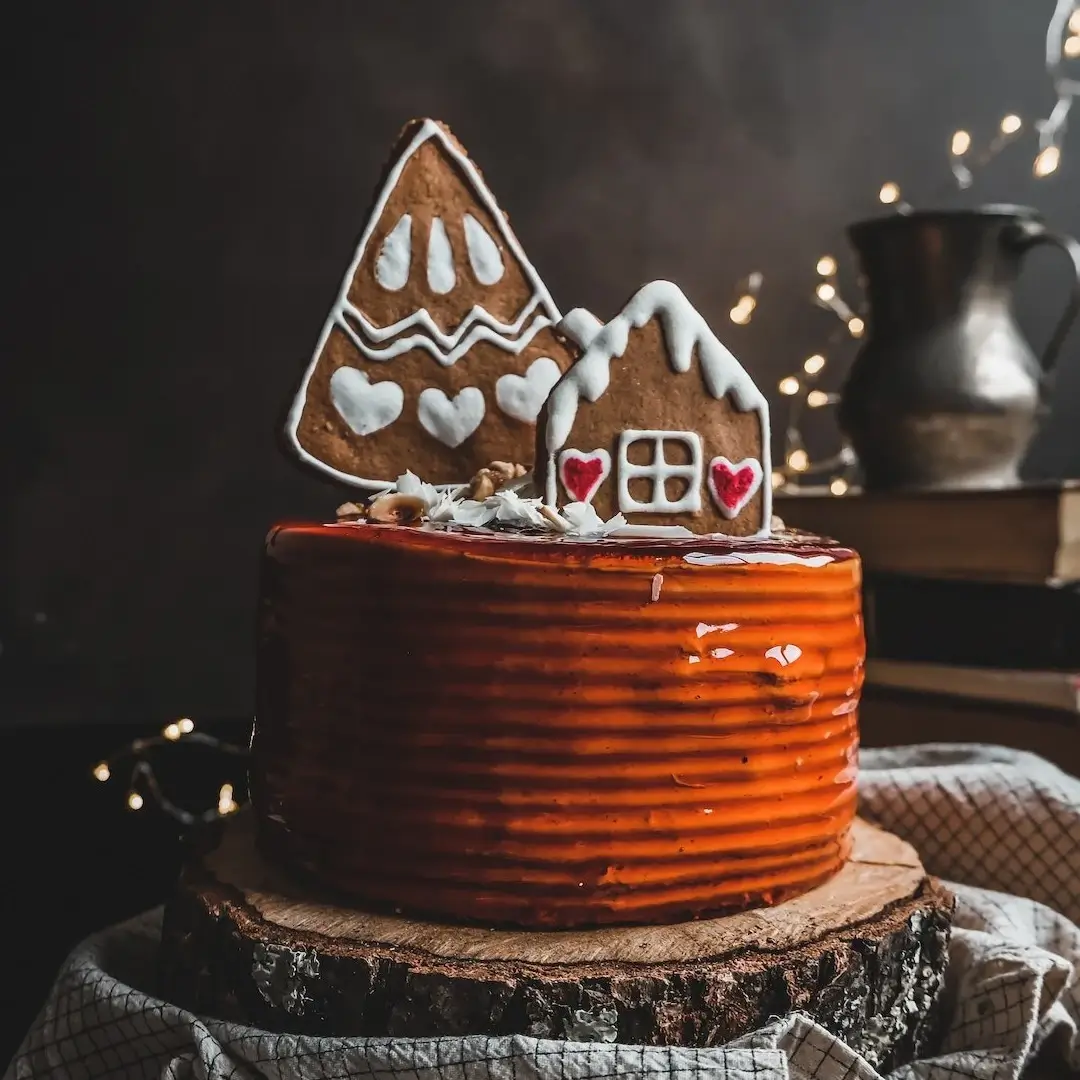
column 972, row 605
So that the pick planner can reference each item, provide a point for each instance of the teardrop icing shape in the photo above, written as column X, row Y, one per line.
column 440, row 259
column 484, row 254
column 392, row 266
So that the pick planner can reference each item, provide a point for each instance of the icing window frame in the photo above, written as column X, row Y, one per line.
column 659, row 471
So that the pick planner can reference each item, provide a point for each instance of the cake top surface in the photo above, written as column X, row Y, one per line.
column 444, row 351
column 783, row 548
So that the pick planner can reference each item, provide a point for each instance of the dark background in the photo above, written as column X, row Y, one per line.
column 185, row 182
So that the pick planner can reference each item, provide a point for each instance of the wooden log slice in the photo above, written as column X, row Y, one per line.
column 863, row 954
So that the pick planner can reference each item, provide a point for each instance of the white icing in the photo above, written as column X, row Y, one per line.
column 696, row 660
column 776, row 558
column 445, row 347
column 538, row 312
column 659, row 471
column 784, row 654
column 704, row 628
column 846, row 707
column 540, row 296
column 686, row 334
column 484, row 255
column 419, row 341
column 586, row 496
column 522, row 396
column 719, row 654
column 441, row 276
column 392, row 265
column 450, row 420
column 753, row 465
column 657, row 585
column 364, row 406
column 580, row 326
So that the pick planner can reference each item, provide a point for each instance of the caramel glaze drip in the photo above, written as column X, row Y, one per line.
column 549, row 733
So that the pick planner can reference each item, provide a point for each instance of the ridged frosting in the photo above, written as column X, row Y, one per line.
column 549, row 732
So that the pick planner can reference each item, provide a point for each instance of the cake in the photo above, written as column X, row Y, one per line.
column 549, row 732
column 600, row 690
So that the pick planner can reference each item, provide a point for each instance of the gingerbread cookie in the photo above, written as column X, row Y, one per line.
column 659, row 422
column 440, row 348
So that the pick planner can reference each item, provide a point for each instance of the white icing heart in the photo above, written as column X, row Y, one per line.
column 522, row 396
column 450, row 420
column 732, row 484
column 582, row 474
column 366, row 407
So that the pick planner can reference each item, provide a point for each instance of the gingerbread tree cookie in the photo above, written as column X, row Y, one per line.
column 440, row 349
column 658, row 421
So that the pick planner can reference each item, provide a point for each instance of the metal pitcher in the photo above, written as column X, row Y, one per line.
column 945, row 391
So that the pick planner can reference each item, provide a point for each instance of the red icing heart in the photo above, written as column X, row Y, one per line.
column 583, row 474
column 733, row 485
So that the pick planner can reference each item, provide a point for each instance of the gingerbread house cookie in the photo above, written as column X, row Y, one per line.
column 439, row 350
column 659, row 422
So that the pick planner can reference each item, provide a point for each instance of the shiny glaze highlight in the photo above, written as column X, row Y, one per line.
column 553, row 733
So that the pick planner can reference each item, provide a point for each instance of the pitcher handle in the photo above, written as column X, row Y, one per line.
column 1029, row 234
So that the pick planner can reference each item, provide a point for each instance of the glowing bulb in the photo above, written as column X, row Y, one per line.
column 1047, row 161
column 1011, row 124
column 789, row 386
column 186, row 726
column 1071, row 48
column 101, row 772
column 839, row 486
column 816, row 398
column 226, row 804
column 742, row 311
column 799, row 460
column 1074, row 22
column 134, row 800
column 778, row 479
column 813, row 364
column 889, row 193
column 826, row 266
column 171, row 732
column 961, row 144
column 825, row 292
column 856, row 326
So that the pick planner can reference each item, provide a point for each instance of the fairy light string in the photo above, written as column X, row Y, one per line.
column 802, row 390
column 134, row 762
